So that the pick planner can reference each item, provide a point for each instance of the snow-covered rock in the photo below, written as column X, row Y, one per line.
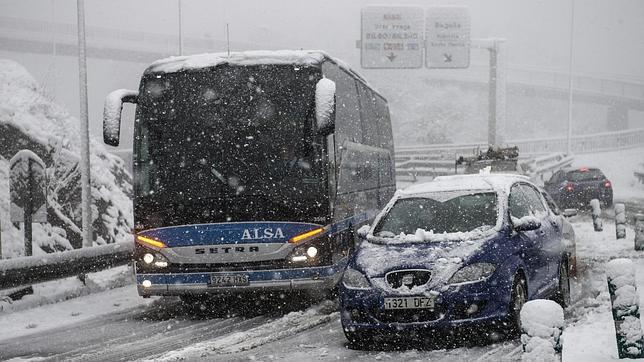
column 30, row 120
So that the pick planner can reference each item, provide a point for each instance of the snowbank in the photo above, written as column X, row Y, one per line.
column 30, row 120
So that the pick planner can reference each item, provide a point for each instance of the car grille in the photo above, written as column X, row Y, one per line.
column 409, row 278
column 407, row 315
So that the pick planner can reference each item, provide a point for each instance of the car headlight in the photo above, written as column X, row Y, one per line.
column 354, row 279
column 472, row 273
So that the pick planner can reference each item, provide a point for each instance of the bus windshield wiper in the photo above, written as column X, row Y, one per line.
column 218, row 175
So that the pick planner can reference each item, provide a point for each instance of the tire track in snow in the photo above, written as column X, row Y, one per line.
column 277, row 329
column 159, row 344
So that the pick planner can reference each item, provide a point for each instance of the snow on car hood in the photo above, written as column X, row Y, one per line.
column 442, row 258
column 422, row 236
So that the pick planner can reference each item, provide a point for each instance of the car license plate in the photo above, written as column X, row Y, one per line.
column 409, row 303
column 228, row 280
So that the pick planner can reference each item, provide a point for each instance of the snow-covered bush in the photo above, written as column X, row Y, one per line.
column 542, row 323
column 30, row 120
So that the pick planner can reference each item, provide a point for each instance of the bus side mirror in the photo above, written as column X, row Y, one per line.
column 112, row 114
column 325, row 106
column 363, row 231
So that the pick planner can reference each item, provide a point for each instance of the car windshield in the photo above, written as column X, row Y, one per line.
column 585, row 175
column 440, row 213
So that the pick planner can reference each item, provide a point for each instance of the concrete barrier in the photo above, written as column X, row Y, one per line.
column 542, row 323
column 620, row 274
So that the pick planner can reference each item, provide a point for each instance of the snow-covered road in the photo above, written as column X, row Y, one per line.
column 133, row 328
column 129, row 328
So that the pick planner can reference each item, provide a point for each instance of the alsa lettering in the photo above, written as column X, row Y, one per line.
column 228, row 250
column 259, row 234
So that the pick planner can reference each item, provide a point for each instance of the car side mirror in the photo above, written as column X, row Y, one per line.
column 526, row 223
column 325, row 106
column 363, row 231
column 112, row 114
column 570, row 212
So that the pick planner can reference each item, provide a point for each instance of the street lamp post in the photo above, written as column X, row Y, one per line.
column 180, row 32
column 570, row 76
column 84, row 130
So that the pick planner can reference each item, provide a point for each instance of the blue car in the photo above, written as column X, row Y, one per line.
column 456, row 253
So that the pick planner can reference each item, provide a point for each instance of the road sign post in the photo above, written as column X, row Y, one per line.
column 392, row 37
column 496, row 90
column 27, row 189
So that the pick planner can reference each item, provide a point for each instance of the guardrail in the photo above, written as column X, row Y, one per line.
column 42, row 268
column 541, row 166
column 413, row 166
column 607, row 141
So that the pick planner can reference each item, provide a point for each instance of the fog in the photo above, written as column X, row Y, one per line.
column 607, row 44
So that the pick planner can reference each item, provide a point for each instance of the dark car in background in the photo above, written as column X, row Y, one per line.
column 575, row 187
column 457, row 253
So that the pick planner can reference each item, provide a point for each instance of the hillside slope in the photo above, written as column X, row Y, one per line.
column 30, row 120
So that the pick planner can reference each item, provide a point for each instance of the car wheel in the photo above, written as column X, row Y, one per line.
column 563, row 291
column 359, row 339
column 518, row 299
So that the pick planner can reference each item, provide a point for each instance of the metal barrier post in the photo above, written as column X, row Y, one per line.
column 620, row 221
column 639, row 232
column 596, row 213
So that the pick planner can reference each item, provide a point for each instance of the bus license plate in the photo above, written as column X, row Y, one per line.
column 409, row 303
column 228, row 280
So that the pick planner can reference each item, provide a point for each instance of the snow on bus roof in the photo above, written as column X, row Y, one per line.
column 478, row 182
column 255, row 57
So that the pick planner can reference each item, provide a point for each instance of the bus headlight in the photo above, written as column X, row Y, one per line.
column 312, row 251
column 148, row 258
column 303, row 254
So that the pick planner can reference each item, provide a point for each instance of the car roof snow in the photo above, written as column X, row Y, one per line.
column 479, row 182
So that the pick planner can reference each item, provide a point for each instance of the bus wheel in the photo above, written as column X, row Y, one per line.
column 194, row 303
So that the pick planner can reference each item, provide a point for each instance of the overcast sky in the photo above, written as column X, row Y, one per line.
column 609, row 34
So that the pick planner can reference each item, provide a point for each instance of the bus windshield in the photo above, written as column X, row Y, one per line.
column 229, row 131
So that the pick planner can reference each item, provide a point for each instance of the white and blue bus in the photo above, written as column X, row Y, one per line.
column 252, row 171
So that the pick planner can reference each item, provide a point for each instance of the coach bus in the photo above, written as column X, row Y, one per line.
column 252, row 171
